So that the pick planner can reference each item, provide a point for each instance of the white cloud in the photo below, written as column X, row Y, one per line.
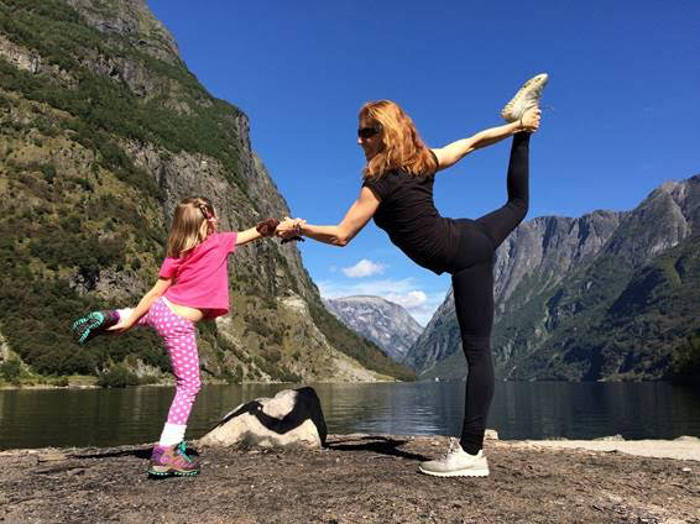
column 410, row 300
column 364, row 268
column 337, row 288
column 405, row 292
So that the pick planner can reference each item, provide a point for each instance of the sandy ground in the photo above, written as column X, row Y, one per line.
column 682, row 448
column 357, row 478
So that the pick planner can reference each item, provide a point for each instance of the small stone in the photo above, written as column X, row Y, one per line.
column 617, row 437
column 491, row 434
column 687, row 470
column 54, row 456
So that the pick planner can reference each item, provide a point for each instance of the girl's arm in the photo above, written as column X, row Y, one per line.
column 266, row 228
column 355, row 219
column 452, row 153
column 243, row 237
column 144, row 304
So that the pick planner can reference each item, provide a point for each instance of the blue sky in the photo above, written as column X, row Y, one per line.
column 622, row 109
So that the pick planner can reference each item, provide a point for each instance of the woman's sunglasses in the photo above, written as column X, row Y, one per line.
column 368, row 132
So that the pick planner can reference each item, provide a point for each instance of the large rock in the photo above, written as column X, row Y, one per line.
column 291, row 419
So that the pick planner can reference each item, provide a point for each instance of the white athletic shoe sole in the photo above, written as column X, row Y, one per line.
column 469, row 472
column 527, row 96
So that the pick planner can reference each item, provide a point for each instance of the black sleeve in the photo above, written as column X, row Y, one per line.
column 437, row 162
column 381, row 187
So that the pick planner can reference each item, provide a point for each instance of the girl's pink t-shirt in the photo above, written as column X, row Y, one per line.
column 201, row 276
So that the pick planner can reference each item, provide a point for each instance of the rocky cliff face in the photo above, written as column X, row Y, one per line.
column 386, row 324
column 103, row 131
column 563, row 283
column 540, row 251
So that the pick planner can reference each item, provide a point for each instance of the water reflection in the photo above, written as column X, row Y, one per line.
column 520, row 410
column 591, row 410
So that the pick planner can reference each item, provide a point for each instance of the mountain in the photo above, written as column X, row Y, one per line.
column 607, row 296
column 385, row 323
column 102, row 131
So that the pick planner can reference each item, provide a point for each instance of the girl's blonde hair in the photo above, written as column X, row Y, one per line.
column 402, row 147
column 193, row 221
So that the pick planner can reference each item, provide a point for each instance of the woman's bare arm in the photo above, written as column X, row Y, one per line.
column 452, row 153
column 340, row 235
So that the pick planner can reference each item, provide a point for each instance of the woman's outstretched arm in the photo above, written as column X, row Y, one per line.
column 355, row 219
column 452, row 153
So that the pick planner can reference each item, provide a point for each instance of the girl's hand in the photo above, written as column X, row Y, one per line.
column 530, row 120
column 125, row 323
column 267, row 228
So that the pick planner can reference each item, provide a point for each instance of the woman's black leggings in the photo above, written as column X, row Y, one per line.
column 472, row 282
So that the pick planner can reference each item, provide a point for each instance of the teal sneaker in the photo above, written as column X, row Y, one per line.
column 88, row 327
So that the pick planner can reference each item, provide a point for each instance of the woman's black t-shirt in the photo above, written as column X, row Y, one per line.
column 407, row 213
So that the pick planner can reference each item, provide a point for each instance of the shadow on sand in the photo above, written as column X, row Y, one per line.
column 375, row 444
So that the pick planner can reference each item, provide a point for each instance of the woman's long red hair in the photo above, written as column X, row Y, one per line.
column 402, row 147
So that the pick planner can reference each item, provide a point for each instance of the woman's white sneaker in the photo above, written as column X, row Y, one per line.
column 457, row 463
column 527, row 96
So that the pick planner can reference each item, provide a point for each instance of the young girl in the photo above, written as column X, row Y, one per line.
column 192, row 286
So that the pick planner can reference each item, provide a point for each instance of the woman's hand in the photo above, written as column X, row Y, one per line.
column 530, row 120
column 289, row 228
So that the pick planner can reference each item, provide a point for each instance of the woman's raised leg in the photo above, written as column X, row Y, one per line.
column 500, row 223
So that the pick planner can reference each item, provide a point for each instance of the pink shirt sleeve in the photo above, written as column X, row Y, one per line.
column 228, row 241
column 169, row 267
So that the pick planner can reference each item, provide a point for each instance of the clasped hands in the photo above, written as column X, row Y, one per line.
column 288, row 229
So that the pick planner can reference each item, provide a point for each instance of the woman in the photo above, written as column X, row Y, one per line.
column 398, row 192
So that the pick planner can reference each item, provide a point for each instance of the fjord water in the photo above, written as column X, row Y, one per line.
column 521, row 410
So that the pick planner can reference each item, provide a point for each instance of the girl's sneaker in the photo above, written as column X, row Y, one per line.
column 168, row 461
column 93, row 324
column 527, row 96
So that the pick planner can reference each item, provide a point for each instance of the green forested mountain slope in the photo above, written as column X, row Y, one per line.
column 102, row 131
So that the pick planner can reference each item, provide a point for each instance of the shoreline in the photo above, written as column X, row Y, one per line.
column 684, row 447
column 91, row 383
column 171, row 383
column 356, row 478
